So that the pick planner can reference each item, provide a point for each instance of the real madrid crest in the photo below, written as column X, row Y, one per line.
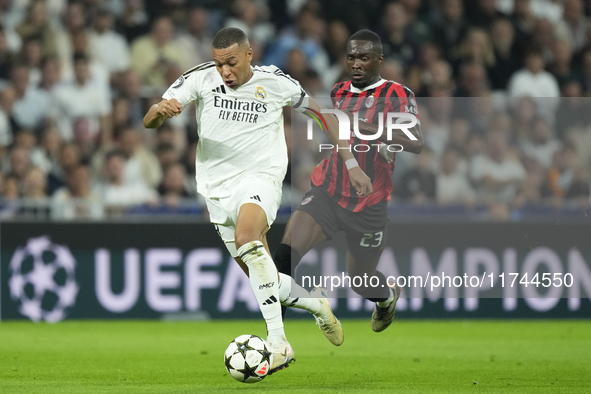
column 369, row 101
column 260, row 93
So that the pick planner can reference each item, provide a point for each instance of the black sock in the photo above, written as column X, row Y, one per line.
column 286, row 260
column 378, row 294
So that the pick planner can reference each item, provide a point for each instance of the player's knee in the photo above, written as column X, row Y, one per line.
column 243, row 236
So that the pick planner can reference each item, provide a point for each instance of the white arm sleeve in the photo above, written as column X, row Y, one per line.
column 185, row 89
column 293, row 93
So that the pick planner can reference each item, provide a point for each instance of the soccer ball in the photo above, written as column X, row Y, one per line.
column 248, row 358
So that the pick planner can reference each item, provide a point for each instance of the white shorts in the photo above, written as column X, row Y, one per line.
column 223, row 212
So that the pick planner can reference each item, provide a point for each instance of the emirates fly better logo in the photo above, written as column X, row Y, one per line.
column 394, row 121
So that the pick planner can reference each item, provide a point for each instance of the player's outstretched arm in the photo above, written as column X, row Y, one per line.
column 360, row 181
column 158, row 113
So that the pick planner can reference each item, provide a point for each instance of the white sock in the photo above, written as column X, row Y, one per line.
column 384, row 304
column 293, row 295
column 263, row 280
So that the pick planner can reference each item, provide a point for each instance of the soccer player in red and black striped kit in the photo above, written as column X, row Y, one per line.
column 332, row 205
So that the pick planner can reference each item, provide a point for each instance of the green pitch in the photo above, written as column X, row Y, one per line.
column 409, row 357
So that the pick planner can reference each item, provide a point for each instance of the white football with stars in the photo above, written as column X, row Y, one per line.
column 248, row 358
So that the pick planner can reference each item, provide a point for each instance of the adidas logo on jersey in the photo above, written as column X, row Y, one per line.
column 219, row 89
column 256, row 198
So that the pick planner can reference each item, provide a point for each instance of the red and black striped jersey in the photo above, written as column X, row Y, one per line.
column 332, row 175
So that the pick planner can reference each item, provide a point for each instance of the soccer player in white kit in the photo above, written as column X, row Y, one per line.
column 240, row 165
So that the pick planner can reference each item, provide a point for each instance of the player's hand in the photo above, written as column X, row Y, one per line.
column 169, row 108
column 360, row 181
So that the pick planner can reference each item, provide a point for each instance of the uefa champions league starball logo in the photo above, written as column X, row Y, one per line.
column 42, row 280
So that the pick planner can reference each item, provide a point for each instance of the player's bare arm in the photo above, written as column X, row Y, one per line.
column 360, row 181
column 158, row 113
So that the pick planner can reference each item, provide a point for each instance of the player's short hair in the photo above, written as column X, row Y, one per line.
column 368, row 35
column 229, row 36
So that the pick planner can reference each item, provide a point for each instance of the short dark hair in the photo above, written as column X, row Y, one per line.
column 368, row 35
column 229, row 36
column 114, row 153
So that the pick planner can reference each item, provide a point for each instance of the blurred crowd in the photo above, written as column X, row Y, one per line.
column 77, row 77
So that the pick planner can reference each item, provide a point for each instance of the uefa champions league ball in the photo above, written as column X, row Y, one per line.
column 248, row 359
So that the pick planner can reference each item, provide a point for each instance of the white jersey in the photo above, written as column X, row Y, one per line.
column 240, row 130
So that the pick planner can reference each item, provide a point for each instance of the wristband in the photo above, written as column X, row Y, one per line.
column 351, row 163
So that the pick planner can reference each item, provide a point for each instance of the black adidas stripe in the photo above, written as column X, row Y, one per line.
column 200, row 67
column 250, row 251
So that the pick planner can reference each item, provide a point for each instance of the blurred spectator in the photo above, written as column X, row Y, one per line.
column 336, row 40
column 130, row 88
column 78, row 200
column 18, row 167
column 46, row 156
column 37, row 24
column 152, row 53
column 473, row 81
column 586, row 72
column 476, row 48
column 31, row 56
column 11, row 190
column 419, row 75
column 167, row 155
column 32, row 105
column 496, row 174
column 7, row 98
column 305, row 35
column 534, row 81
column 419, row 184
column 530, row 190
column 173, row 190
column 84, row 99
column 541, row 144
column 482, row 13
column 451, row 27
column 121, row 117
column 114, row 192
column 73, row 21
column 6, row 57
column 68, row 160
column 397, row 43
column 109, row 47
column 133, row 20
column 196, row 40
column 524, row 21
column 562, row 66
column 50, row 74
column 141, row 165
column 35, row 185
column 251, row 17
column 577, row 23
column 452, row 185
column 566, row 178
column 80, row 45
column 573, row 111
column 507, row 54
column 544, row 36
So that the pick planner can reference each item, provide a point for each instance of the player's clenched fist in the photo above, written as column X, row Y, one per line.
column 360, row 181
column 169, row 108
column 158, row 113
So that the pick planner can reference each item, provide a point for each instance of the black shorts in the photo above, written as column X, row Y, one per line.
column 365, row 231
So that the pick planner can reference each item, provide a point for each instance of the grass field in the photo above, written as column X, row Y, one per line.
column 409, row 357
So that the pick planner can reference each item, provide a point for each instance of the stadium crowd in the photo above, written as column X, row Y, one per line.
column 502, row 88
